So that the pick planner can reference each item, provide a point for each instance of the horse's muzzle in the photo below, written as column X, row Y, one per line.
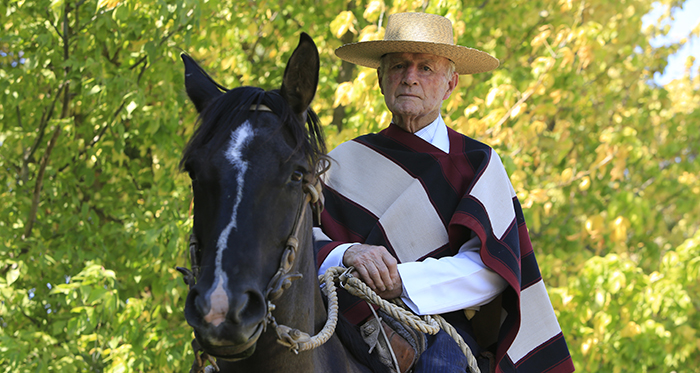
column 229, row 326
column 232, row 352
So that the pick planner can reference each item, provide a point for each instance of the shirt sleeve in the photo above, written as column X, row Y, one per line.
column 436, row 286
column 335, row 257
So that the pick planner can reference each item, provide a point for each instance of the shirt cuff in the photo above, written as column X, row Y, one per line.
column 452, row 283
column 335, row 258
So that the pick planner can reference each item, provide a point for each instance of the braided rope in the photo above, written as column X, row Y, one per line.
column 425, row 324
column 430, row 324
column 297, row 340
column 332, row 321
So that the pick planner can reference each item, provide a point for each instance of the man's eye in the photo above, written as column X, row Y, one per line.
column 426, row 68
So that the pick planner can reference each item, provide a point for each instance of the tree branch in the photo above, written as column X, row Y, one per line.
column 168, row 36
column 36, row 196
column 96, row 138
column 48, row 17
column 42, row 125
column 39, row 182
column 99, row 135
column 36, row 322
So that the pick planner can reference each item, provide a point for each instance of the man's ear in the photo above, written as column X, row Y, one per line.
column 451, row 85
column 379, row 78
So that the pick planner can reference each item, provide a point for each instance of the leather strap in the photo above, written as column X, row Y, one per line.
column 405, row 353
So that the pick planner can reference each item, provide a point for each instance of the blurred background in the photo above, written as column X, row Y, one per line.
column 594, row 111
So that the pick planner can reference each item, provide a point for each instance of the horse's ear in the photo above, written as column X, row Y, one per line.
column 301, row 75
column 201, row 88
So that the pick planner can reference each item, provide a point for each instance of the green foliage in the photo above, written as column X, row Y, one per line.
column 93, row 119
column 94, row 205
column 626, row 320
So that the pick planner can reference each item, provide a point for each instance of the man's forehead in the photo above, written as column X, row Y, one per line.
column 414, row 57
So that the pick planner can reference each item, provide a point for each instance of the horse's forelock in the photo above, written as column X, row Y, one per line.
column 233, row 108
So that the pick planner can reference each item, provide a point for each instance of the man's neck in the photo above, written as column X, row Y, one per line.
column 413, row 124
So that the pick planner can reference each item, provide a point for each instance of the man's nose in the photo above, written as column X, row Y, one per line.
column 410, row 76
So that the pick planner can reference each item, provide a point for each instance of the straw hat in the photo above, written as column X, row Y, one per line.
column 418, row 33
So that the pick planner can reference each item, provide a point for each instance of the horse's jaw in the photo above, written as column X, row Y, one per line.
column 229, row 352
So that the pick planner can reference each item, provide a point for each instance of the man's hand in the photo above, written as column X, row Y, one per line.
column 376, row 267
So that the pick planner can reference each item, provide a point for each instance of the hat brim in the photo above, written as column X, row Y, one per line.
column 368, row 53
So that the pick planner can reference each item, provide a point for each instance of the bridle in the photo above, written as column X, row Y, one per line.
column 295, row 339
column 280, row 281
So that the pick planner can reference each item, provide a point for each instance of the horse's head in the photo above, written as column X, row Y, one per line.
column 250, row 160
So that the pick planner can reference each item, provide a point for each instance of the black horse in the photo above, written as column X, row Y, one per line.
column 253, row 165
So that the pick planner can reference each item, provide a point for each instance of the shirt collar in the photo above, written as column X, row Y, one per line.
column 435, row 134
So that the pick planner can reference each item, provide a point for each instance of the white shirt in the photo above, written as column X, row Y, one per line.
column 436, row 286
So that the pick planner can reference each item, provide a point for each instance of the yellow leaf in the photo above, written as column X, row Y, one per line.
column 618, row 170
column 538, row 126
column 455, row 101
column 540, row 39
column 517, row 109
column 344, row 22
column 556, row 96
column 567, row 174
column 108, row 4
column 594, row 225
column 492, row 95
column 617, row 281
column 373, row 10
column 541, row 65
column 587, row 344
column 585, row 183
column 630, row 330
column 585, row 53
column 567, row 56
column 539, row 195
column 385, row 119
column 600, row 322
column 471, row 109
column 343, row 94
column 566, row 5
column 371, row 32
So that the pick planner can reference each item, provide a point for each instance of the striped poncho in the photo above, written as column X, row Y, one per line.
column 396, row 190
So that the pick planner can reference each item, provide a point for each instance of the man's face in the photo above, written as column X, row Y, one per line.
column 414, row 86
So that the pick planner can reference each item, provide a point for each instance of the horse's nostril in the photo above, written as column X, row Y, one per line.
column 251, row 308
column 195, row 307
column 201, row 305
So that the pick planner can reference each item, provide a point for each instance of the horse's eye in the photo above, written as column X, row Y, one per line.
column 297, row 176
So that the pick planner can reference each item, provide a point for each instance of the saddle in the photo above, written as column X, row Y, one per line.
column 406, row 343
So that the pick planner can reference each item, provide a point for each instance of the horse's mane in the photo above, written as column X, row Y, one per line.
column 232, row 108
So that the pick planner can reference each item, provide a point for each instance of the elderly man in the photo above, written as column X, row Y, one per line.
column 429, row 215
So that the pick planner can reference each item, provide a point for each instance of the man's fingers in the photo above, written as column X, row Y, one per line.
column 371, row 276
column 375, row 266
column 389, row 271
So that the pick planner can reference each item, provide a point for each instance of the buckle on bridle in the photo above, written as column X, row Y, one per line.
column 190, row 276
